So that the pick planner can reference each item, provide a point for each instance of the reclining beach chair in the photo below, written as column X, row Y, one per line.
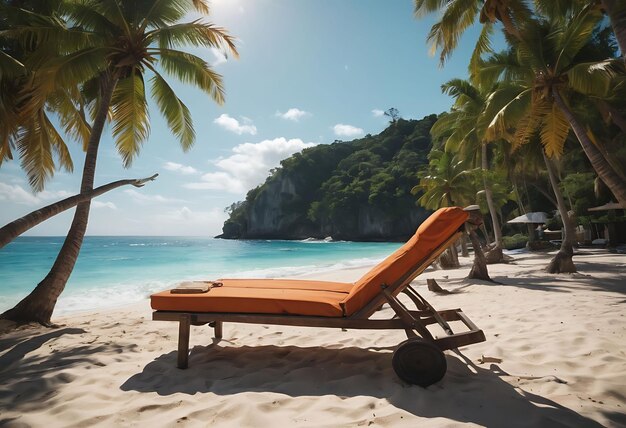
column 418, row 360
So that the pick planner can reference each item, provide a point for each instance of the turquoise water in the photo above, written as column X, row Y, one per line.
column 117, row 270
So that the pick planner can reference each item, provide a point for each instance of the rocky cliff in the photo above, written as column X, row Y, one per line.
column 356, row 190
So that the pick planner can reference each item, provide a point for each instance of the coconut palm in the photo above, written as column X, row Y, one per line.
column 540, row 77
column 30, row 131
column 464, row 129
column 445, row 183
column 458, row 15
column 111, row 47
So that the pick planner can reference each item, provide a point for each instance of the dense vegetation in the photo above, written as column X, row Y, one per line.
column 341, row 187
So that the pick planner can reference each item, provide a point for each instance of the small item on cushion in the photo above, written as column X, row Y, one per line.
column 195, row 287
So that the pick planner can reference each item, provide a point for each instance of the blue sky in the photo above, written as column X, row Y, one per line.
column 310, row 72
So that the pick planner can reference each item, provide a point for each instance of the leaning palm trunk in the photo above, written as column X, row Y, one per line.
column 39, row 304
column 616, row 11
column 495, row 254
column 562, row 262
column 613, row 181
column 479, row 267
column 14, row 229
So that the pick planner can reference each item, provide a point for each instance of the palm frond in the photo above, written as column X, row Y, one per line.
column 174, row 110
column 65, row 72
column 504, row 108
column 66, row 103
column 35, row 152
column 444, row 125
column 59, row 147
column 571, row 38
column 424, row 7
column 592, row 78
column 530, row 123
column 483, row 46
column 131, row 124
column 161, row 13
column 457, row 16
column 196, row 33
column 85, row 15
column 554, row 131
column 189, row 68
column 10, row 67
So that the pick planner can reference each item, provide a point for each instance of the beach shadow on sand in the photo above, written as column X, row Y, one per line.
column 468, row 393
column 30, row 380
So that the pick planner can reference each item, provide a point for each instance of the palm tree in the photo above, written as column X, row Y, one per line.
column 574, row 23
column 458, row 15
column 445, row 183
column 28, row 130
column 542, row 75
column 111, row 46
column 464, row 129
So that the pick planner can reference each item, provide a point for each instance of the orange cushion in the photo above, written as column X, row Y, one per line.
column 433, row 232
column 288, row 284
column 253, row 300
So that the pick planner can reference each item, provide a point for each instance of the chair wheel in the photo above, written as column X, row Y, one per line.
column 418, row 362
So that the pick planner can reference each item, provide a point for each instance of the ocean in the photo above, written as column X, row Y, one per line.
column 114, row 270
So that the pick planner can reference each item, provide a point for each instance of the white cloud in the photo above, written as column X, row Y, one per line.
column 182, row 220
column 219, row 57
column 17, row 194
column 98, row 204
column 185, row 221
column 378, row 113
column 231, row 124
column 148, row 198
column 293, row 114
column 176, row 167
column 249, row 165
column 343, row 130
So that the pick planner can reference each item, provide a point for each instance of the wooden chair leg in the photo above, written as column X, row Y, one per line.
column 218, row 329
column 183, row 341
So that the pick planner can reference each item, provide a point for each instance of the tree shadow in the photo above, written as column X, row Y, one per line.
column 468, row 393
column 30, row 381
column 20, row 346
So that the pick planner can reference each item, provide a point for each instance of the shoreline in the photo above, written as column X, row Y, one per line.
column 554, row 356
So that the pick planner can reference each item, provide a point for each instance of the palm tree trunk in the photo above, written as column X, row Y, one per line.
column 479, row 266
column 39, row 304
column 562, row 262
column 494, row 255
column 454, row 253
column 604, row 170
column 14, row 229
column 616, row 11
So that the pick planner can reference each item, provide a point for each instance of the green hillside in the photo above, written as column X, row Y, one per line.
column 356, row 190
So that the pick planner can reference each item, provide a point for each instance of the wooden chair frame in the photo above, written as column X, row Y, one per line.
column 413, row 322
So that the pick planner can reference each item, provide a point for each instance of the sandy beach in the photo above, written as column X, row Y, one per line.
column 555, row 356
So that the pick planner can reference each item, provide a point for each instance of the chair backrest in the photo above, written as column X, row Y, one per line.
column 409, row 258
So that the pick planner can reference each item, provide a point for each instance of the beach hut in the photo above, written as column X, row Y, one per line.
column 611, row 228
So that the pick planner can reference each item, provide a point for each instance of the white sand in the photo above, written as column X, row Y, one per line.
column 555, row 356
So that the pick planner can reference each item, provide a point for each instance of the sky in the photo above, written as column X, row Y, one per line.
column 310, row 72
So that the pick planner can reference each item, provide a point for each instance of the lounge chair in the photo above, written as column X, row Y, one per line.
column 418, row 360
